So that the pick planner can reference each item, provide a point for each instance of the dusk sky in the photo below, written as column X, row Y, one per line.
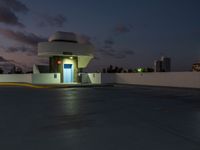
column 129, row 33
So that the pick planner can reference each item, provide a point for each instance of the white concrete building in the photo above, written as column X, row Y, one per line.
column 66, row 55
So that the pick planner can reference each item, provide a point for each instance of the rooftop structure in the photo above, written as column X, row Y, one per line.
column 66, row 55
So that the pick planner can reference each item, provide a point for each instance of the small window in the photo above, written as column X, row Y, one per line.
column 55, row 75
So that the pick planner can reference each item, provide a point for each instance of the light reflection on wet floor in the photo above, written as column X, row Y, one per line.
column 121, row 117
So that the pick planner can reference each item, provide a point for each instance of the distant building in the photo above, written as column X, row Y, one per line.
column 196, row 67
column 157, row 66
column 166, row 64
column 162, row 65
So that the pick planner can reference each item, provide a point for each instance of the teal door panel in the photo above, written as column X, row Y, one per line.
column 68, row 73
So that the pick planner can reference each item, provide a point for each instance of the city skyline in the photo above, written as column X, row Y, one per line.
column 130, row 34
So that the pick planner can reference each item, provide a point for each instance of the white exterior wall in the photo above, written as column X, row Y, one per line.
column 171, row 79
column 57, row 48
column 94, row 78
column 35, row 69
column 46, row 78
column 16, row 78
column 108, row 78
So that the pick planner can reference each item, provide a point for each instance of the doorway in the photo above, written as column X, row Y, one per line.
column 68, row 74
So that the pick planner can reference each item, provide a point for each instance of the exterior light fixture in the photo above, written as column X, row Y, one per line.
column 70, row 57
column 59, row 62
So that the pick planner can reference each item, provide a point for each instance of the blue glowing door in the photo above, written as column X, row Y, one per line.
column 68, row 73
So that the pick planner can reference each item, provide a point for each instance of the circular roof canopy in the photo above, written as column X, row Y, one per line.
column 63, row 36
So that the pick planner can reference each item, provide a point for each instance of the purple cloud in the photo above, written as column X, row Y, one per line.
column 8, row 10
column 23, row 49
column 122, row 28
column 7, row 64
column 14, row 5
column 108, row 43
column 115, row 53
column 22, row 37
column 8, row 17
column 84, row 39
column 52, row 21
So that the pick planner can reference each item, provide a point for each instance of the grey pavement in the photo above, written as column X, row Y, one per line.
column 101, row 118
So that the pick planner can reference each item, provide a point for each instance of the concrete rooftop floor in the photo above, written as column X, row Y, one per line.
column 101, row 118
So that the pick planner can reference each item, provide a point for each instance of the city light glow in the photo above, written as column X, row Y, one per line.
column 140, row 70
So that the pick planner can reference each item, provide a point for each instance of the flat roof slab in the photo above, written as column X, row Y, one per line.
column 109, row 118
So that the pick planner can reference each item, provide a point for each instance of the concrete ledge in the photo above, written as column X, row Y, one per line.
column 12, row 84
column 21, row 85
column 154, row 86
column 165, row 79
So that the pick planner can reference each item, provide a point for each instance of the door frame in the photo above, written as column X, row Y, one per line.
column 65, row 75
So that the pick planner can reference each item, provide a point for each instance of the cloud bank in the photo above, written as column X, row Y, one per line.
column 7, row 64
column 52, row 21
column 122, row 28
column 9, row 10
column 22, row 37
column 27, row 41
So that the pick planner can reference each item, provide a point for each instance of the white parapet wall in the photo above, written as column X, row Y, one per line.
column 25, row 78
column 108, row 78
column 91, row 78
column 46, row 78
column 170, row 79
